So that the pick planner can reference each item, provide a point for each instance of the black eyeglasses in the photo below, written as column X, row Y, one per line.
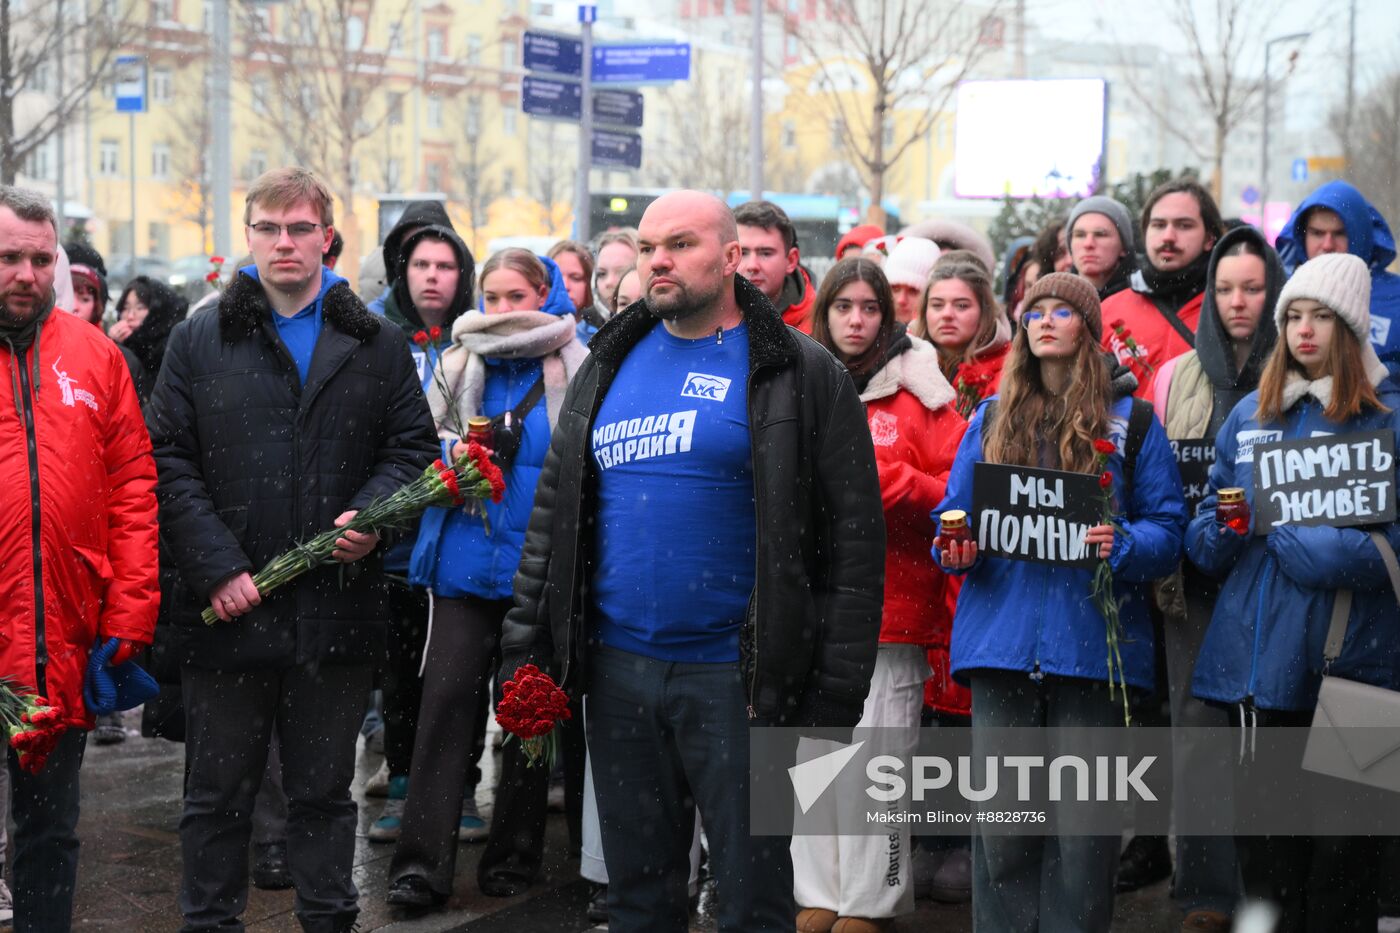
column 265, row 230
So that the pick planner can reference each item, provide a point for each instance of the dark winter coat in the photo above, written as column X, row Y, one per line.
column 251, row 462
column 808, row 642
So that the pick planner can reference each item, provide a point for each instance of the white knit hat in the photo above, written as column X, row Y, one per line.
column 911, row 261
column 1342, row 283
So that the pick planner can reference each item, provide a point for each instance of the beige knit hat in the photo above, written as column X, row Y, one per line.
column 1339, row 281
column 1072, row 289
column 911, row 261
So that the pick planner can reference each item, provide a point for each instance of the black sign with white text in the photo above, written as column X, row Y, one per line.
column 1194, row 458
column 1021, row 513
column 1336, row 479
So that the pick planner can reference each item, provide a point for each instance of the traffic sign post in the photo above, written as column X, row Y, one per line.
column 550, row 99
column 553, row 54
column 1300, row 170
column 618, row 108
column 130, row 94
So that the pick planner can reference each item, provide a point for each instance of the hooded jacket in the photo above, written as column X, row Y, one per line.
column 416, row 214
column 795, row 301
column 1369, row 237
column 1038, row 618
column 1265, row 640
column 916, row 428
column 78, row 509
column 453, row 554
column 1195, row 392
column 147, row 342
column 808, row 642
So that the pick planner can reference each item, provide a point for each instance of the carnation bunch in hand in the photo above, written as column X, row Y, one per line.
column 1102, row 588
column 471, row 476
column 32, row 726
column 531, row 705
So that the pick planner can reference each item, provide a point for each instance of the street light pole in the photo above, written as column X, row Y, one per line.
column 220, row 158
column 756, row 106
column 1264, row 135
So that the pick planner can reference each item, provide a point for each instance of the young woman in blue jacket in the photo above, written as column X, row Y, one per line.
column 524, row 334
column 1027, row 637
column 1262, row 655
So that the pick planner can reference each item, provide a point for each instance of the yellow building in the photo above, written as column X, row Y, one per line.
column 403, row 96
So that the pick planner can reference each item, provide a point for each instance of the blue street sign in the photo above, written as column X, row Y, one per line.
column 553, row 53
column 1300, row 169
column 620, row 149
column 618, row 108
column 587, row 13
column 559, row 100
column 641, row 64
column 130, row 84
column 1250, row 195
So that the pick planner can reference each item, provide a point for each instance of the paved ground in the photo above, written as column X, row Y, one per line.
column 131, row 866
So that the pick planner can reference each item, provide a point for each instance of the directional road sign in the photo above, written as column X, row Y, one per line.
column 617, row 108
column 552, row 53
column 131, row 84
column 619, row 149
column 654, row 62
column 545, row 97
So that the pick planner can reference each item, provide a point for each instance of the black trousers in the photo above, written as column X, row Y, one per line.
column 229, row 719
column 451, row 727
column 45, row 808
column 403, row 688
column 1323, row 884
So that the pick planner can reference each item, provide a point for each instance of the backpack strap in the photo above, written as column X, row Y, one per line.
column 1139, row 420
column 528, row 403
column 1169, row 315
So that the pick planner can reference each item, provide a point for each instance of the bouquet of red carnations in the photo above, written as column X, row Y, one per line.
column 531, row 705
column 1102, row 587
column 470, row 476
column 32, row 726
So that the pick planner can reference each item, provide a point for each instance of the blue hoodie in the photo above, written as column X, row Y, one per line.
column 1038, row 618
column 1270, row 622
column 453, row 556
column 1368, row 237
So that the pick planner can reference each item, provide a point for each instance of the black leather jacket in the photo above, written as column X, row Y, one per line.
column 808, row 643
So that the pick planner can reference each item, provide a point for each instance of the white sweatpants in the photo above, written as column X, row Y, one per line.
column 865, row 875
column 591, row 864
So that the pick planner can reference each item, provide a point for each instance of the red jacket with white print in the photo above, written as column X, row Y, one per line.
column 1155, row 340
column 916, row 429
column 78, row 555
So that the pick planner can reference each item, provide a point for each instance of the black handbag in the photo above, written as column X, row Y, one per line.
column 508, row 428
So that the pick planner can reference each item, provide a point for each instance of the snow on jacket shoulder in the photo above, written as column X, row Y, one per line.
column 1157, row 341
column 1023, row 616
column 1266, row 636
column 86, row 500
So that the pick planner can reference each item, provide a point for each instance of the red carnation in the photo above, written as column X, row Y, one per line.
column 216, row 260
column 421, row 338
column 212, row 277
column 531, row 706
column 435, row 333
column 1105, row 479
column 1104, row 447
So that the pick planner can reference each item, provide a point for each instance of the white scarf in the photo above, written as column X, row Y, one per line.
column 1299, row 385
column 460, row 379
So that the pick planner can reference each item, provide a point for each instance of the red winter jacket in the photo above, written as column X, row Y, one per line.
column 798, row 309
column 986, row 369
column 916, row 429
column 1157, row 341
column 78, row 509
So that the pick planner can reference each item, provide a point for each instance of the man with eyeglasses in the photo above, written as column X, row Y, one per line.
column 280, row 414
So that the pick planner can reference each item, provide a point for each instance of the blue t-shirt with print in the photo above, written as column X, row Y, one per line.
column 676, row 523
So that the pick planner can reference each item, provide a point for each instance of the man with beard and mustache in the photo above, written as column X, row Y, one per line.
column 712, row 474
column 79, row 496
column 1158, row 313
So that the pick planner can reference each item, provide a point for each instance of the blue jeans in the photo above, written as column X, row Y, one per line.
column 1023, row 884
column 664, row 738
column 45, row 808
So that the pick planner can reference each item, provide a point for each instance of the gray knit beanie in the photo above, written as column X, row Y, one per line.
column 1113, row 210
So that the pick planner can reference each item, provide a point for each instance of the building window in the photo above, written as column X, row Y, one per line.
column 354, row 33
column 391, row 175
column 39, row 78
column 838, row 141
column 508, row 120
column 396, row 39
column 395, row 108
column 38, row 164
column 473, row 49
column 160, row 160
column 208, row 16
column 309, row 106
column 162, row 11
column 508, row 180
column 435, row 111
column 473, row 121
column 109, row 157
column 257, row 164
column 789, row 135
column 433, row 171
column 437, row 45
column 258, row 88
column 162, row 84
column 508, row 52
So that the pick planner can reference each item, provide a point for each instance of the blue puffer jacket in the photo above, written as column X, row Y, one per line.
column 1265, row 639
column 1022, row 616
column 454, row 557
column 1369, row 237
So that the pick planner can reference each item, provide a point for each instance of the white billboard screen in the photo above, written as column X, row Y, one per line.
column 1029, row 138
